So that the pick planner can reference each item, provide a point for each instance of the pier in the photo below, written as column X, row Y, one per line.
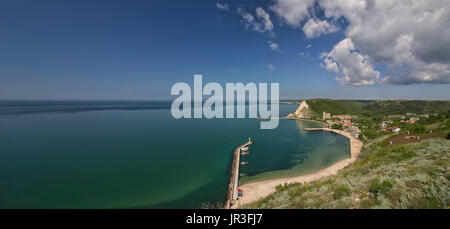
column 232, row 191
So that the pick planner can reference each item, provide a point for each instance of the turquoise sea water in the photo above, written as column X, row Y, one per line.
column 134, row 155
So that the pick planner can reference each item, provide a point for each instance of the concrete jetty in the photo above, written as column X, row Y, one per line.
column 232, row 192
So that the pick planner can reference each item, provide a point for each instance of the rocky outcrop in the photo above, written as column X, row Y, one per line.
column 303, row 111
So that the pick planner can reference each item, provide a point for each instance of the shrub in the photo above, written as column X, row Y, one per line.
column 417, row 128
column 340, row 191
column 401, row 153
column 394, row 196
column 337, row 126
column 283, row 187
column 378, row 187
column 367, row 203
column 424, row 203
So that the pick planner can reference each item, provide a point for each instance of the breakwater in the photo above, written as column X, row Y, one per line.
column 232, row 191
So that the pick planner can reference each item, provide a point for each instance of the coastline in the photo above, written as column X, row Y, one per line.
column 260, row 189
column 307, row 120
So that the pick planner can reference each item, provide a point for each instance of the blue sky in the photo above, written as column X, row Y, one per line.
column 138, row 49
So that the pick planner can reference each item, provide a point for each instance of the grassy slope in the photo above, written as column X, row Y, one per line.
column 407, row 176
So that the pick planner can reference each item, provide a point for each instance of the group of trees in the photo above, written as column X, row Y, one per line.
column 337, row 126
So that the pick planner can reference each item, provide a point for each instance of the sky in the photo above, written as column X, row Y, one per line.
column 136, row 50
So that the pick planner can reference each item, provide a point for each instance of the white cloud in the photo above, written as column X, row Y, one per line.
column 412, row 38
column 222, row 6
column 330, row 65
column 274, row 46
column 235, row 70
column 271, row 66
column 251, row 22
column 308, row 46
column 314, row 28
column 351, row 67
column 293, row 12
column 265, row 17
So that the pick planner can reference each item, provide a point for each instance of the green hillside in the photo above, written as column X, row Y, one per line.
column 407, row 176
column 336, row 106
column 386, row 107
column 379, row 107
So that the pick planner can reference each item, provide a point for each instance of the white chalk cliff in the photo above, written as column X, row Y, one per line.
column 303, row 111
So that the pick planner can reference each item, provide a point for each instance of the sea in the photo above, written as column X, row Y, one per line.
column 134, row 154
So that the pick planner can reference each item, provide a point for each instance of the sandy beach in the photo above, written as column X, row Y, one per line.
column 258, row 190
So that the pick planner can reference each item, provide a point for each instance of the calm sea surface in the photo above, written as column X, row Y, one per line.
column 135, row 155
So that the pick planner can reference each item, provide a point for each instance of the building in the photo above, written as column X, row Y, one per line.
column 414, row 119
column 396, row 116
column 342, row 116
column 395, row 129
column 331, row 122
column 346, row 122
column 383, row 125
column 326, row 115
column 353, row 129
column 411, row 120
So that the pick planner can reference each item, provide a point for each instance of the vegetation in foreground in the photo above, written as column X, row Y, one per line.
column 415, row 175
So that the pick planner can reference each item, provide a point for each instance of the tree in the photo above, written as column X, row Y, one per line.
column 416, row 127
column 337, row 126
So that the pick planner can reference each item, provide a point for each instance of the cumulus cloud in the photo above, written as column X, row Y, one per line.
column 263, row 25
column 314, row 28
column 249, row 20
column 274, row 46
column 412, row 38
column 350, row 66
column 222, row 6
column 271, row 66
column 265, row 17
column 293, row 12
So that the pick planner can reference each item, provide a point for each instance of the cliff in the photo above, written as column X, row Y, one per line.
column 303, row 111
